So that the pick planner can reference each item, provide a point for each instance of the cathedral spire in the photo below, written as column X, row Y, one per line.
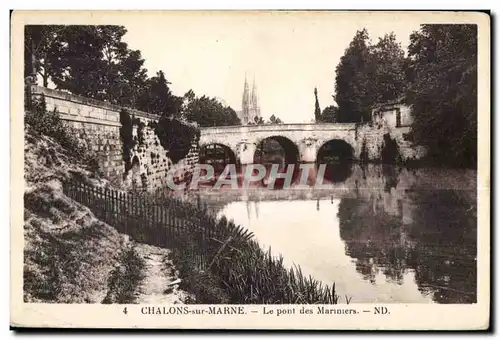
column 255, row 100
column 250, row 103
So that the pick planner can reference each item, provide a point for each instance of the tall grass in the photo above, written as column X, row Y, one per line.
column 125, row 279
column 218, row 261
column 236, row 269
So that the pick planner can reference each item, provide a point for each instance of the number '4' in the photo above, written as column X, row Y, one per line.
column 125, row 310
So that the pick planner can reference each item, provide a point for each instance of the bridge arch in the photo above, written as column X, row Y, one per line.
column 270, row 148
column 335, row 151
column 217, row 154
column 337, row 156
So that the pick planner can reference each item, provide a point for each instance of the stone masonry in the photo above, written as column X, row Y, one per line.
column 98, row 127
column 310, row 137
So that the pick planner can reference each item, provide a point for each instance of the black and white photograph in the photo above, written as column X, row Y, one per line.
column 267, row 164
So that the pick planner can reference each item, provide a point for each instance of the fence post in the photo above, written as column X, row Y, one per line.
column 81, row 193
column 121, row 208
column 115, row 205
column 106, row 205
column 100, row 200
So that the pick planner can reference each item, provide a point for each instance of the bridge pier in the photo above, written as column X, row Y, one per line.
column 308, row 155
column 246, row 152
column 308, row 150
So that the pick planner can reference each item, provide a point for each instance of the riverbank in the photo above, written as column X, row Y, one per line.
column 72, row 256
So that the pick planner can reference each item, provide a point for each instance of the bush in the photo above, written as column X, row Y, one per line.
column 176, row 137
column 127, row 138
column 46, row 123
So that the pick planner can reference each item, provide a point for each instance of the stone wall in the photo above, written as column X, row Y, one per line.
column 384, row 122
column 97, row 125
column 150, row 163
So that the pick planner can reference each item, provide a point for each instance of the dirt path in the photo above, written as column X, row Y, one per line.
column 156, row 287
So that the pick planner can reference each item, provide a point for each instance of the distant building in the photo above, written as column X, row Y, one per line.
column 250, row 108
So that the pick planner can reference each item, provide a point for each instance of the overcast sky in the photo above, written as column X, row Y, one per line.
column 288, row 53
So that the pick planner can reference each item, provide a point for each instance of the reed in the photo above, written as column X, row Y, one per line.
column 218, row 261
column 246, row 273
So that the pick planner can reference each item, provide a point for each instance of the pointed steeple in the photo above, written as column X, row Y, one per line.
column 255, row 100
column 245, row 103
column 246, row 94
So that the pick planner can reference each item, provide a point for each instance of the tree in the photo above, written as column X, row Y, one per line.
column 82, row 68
column 207, row 111
column 130, row 80
column 388, row 81
column 258, row 120
column 443, row 92
column 274, row 120
column 124, row 73
column 157, row 98
column 330, row 114
column 317, row 110
column 92, row 61
column 352, row 81
column 42, row 50
column 367, row 75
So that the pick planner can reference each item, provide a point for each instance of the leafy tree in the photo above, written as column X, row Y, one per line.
column 82, row 69
column 317, row 110
column 367, row 75
column 274, row 120
column 443, row 92
column 124, row 73
column 92, row 61
column 352, row 81
column 388, row 81
column 258, row 120
column 130, row 80
column 330, row 114
column 43, row 45
column 207, row 111
column 157, row 98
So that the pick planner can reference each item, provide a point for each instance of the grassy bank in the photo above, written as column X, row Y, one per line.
column 234, row 268
column 240, row 272
column 125, row 278
column 72, row 256
column 69, row 254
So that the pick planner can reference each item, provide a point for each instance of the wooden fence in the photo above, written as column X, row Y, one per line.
column 154, row 219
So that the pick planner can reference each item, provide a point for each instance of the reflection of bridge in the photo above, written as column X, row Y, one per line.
column 359, row 183
column 301, row 142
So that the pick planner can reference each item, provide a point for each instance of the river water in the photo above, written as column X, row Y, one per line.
column 382, row 234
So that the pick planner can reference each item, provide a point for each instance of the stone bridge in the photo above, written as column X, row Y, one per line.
column 301, row 142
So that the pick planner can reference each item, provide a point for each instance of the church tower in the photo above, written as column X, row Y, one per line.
column 254, row 101
column 250, row 108
column 245, row 104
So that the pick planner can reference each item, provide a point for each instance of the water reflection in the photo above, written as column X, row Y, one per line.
column 381, row 234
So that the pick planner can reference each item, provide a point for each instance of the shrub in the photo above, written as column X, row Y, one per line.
column 127, row 139
column 176, row 137
column 43, row 122
column 390, row 151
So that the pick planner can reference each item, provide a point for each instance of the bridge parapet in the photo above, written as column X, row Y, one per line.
column 278, row 127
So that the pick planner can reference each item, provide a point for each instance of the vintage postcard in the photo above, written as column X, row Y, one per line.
column 250, row 170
